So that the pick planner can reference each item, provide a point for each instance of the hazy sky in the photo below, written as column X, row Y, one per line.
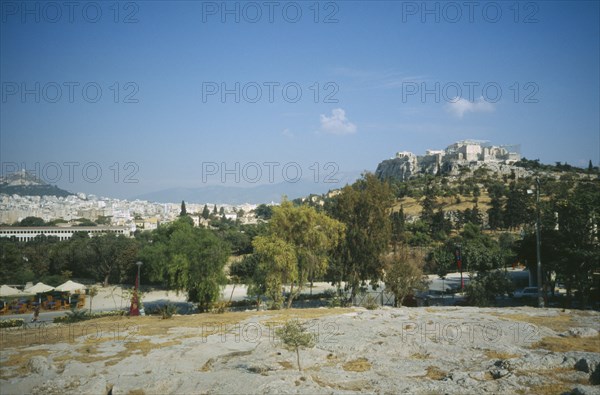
column 168, row 92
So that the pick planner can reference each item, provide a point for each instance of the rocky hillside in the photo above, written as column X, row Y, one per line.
column 469, row 154
column 26, row 184
column 388, row 350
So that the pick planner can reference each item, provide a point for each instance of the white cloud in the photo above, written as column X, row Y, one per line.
column 460, row 106
column 337, row 123
column 287, row 133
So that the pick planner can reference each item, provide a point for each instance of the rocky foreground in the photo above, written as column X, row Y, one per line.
column 404, row 350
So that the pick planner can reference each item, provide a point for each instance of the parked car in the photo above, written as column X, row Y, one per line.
column 528, row 292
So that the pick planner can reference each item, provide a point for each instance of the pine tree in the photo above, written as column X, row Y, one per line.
column 518, row 209
column 495, row 219
column 183, row 211
column 440, row 226
column 428, row 204
column 398, row 221
column 205, row 212
column 215, row 210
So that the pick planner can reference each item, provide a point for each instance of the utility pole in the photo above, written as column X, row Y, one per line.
column 537, row 243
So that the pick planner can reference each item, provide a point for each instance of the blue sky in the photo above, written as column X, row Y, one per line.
column 162, row 120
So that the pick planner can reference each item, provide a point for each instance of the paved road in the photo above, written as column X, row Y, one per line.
column 45, row 316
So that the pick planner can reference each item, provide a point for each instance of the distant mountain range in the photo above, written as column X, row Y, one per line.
column 26, row 184
column 264, row 193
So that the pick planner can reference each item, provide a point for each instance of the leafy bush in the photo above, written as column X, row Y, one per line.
column 338, row 299
column 73, row 316
column 370, row 303
column 82, row 315
column 112, row 313
column 242, row 303
column 167, row 311
column 483, row 290
column 220, row 307
column 12, row 323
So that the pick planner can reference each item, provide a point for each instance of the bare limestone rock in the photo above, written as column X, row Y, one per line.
column 38, row 365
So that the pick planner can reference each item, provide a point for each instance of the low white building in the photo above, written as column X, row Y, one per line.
column 26, row 233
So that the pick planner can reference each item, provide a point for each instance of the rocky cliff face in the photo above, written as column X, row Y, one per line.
column 448, row 162
column 402, row 168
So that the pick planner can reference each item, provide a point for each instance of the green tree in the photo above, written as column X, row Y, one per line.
column 428, row 204
column 440, row 225
column 183, row 211
column 398, row 221
column 495, row 212
column 483, row 289
column 365, row 209
column 402, row 276
column 264, row 212
column 187, row 259
column 113, row 256
column 205, row 212
column 294, row 337
column 277, row 265
column 518, row 209
column 570, row 245
column 312, row 235
column 103, row 220
column 32, row 221
column 440, row 260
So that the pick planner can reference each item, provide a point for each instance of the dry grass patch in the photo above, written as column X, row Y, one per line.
column 142, row 347
column 145, row 346
column 565, row 344
column 412, row 206
column 86, row 354
column 560, row 380
column 286, row 365
column 136, row 392
column 208, row 365
column 493, row 354
column 357, row 365
column 420, row 356
column 281, row 316
column 547, row 389
column 435, row 373
column 206, row 324
column 559, row 323
column 352, row 385
column 19, row 360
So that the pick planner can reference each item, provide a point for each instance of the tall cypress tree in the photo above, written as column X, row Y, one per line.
column 183, row 211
